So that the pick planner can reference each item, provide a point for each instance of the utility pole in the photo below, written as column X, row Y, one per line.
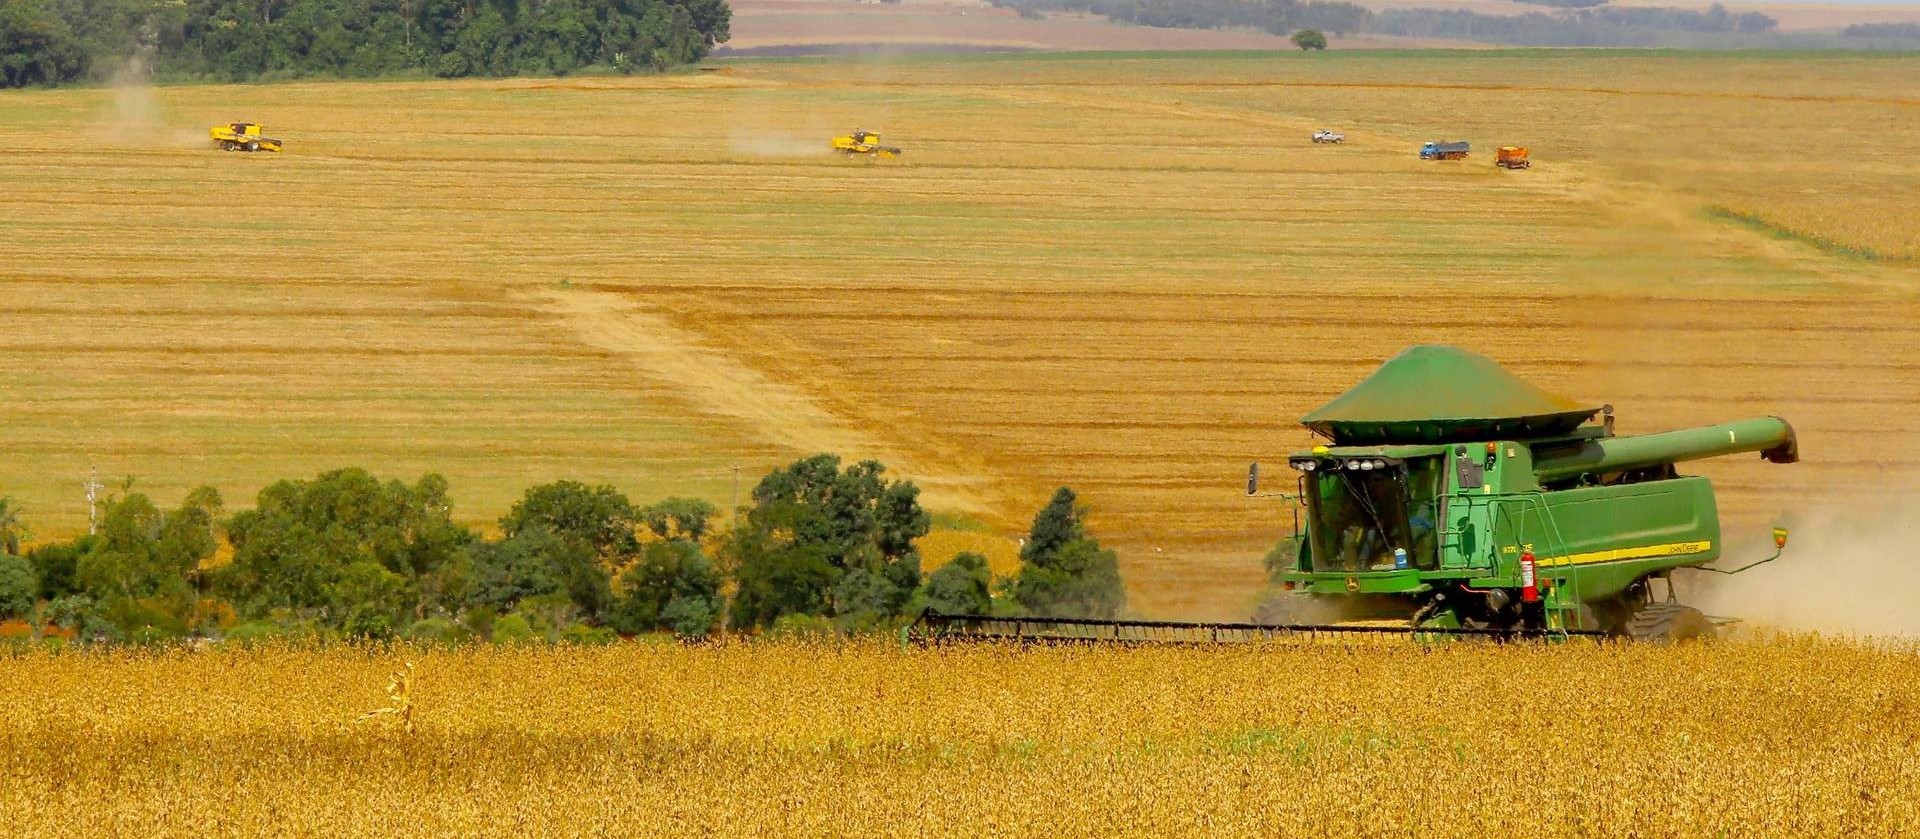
column 93, row 488
column 735, row 509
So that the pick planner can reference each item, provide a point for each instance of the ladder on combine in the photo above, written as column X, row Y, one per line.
column 934, row 626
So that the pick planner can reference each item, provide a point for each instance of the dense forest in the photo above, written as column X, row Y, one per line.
column 55, row 41
column 823, row 548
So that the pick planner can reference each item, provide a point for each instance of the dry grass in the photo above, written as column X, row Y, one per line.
column 1788, row 737
column 1120, row 272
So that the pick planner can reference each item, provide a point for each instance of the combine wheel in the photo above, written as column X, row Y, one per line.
column 1667, row 623
column 229, row 145
column 253, row 146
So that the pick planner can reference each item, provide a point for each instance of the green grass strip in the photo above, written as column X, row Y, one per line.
column 1754, row 222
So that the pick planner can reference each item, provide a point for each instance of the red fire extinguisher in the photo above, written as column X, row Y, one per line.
column 1529, row 586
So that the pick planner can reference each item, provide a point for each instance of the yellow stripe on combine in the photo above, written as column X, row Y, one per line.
column 1643, row 552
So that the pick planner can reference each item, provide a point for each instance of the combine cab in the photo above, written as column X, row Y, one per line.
column 1452, row 498
column 243, row 136
column 863, row 144
column 1513, row 157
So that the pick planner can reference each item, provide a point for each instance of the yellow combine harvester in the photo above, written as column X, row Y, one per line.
column 243, row 136
column 863, row 144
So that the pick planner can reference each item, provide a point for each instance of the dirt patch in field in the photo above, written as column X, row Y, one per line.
column 716, row 382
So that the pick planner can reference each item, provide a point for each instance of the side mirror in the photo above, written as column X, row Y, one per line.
column 1253, row 478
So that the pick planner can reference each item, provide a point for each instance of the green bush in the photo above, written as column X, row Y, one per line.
column 513, row 629
column 591, row 636
column 19, row 587
column 254, row 632
column 963, row 586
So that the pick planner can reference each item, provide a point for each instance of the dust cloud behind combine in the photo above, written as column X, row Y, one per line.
column 776, row 144
column 1847, row 569
column 133, row 115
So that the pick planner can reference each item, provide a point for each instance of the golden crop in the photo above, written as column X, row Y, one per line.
column 1786, row 736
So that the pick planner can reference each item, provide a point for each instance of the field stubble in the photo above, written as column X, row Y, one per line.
column 1123, row 273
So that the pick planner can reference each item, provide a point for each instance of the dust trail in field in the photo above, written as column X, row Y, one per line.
column 720, row 385
column 134, row 116
column 1846, row 570
column 776, row 144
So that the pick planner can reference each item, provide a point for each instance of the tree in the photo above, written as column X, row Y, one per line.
column 56, row 565
column 143, row 565
column 295, row 548
column 1310, row 39
column 1063, row 571
column 51, row 41
column 507, row 571
column 678, row 518
column 810, row 527
column 18, row 588
column 599, row 518
column 672, row 587
column 144, row 553
column 963, row 586
column 37, row 47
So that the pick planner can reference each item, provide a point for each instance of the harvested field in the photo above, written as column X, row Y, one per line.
column 1123, row 272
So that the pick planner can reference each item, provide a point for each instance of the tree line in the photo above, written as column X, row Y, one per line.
column 1599, row 27
column 45, row 42
column 1275, row 16
column 1572, row 25
column 821, row 549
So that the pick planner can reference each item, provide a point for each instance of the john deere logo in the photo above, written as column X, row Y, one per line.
column 1353, row 584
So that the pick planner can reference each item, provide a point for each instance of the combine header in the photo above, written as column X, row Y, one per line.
column 1455, row 499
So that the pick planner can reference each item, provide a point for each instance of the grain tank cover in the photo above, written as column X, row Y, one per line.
column 1432, row 393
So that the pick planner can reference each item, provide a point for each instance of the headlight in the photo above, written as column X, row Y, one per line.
column 1353, row 465
column 1308, row 466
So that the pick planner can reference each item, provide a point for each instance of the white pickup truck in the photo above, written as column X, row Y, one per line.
column 1325, row 136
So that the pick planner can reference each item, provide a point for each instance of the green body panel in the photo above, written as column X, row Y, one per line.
column 1596, row 541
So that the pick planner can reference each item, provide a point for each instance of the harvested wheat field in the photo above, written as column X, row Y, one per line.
column 870, row 739
column 1123, row 272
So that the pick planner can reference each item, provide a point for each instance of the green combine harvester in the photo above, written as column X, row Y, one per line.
column 1452, row 498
